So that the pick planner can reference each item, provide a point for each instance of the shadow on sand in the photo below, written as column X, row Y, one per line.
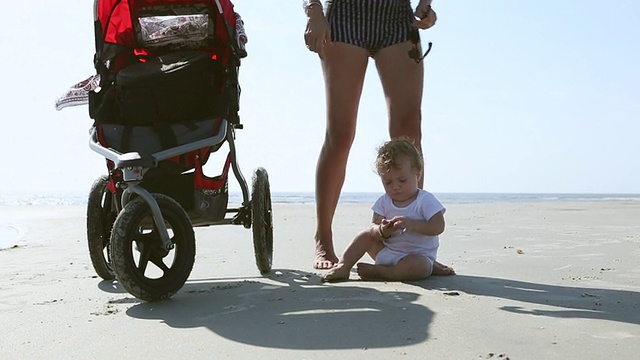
column 570, row 302
column 294, row 310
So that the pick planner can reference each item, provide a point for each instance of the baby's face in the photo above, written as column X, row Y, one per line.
column 401, row 183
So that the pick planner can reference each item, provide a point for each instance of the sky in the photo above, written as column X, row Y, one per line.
column 520, row 96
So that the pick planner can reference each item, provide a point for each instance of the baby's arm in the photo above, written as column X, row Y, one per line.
column 432, row 227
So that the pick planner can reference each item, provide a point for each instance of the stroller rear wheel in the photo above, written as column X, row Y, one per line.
column 262, row 220
column 143, row 266
column 100, row 217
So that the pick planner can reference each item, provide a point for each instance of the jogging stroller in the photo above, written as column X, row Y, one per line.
column 167, row 98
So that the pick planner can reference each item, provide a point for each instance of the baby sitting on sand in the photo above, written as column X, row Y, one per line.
column 403, row 237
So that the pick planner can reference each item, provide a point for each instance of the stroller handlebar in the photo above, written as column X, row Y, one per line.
column 134, row 158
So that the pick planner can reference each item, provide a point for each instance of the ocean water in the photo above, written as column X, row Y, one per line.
column 9, row 235
column 352, row 198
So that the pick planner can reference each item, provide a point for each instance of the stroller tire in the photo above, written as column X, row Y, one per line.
column 100, row 217
column 142, row 265
column 262, row 220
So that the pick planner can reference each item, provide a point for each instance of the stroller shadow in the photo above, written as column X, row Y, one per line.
column 111, row 286
column 293, row 310
column 571, row 302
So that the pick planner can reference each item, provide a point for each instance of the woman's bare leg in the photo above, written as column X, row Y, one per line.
column 344, row 68
column 402, row 81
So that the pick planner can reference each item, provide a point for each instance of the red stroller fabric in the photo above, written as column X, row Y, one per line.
column 114, row 24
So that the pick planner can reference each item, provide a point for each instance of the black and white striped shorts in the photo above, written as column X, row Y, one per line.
column 370, row 24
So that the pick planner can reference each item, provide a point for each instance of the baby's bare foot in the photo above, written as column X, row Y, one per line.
column 370, row 272
column 442, row 270
column 338, row 273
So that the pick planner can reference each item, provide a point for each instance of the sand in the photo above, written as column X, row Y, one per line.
column 535, row 281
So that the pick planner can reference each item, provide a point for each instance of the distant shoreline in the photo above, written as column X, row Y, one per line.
column 355, row 198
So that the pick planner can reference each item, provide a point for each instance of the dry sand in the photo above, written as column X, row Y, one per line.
column 535, row 281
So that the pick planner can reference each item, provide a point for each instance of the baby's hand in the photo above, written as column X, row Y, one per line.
column 386, row 228
column 387, row 224
column 402, row 223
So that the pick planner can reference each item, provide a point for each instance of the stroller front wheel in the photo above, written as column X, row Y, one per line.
column 101, row 214
column 143, row 266
column 262, row 220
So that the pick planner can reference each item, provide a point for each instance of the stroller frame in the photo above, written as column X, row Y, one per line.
column 123, row 216
column 135, row 165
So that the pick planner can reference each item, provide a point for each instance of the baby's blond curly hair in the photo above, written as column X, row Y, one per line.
column 392, row 151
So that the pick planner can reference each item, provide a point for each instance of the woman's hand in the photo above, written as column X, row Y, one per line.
column 317, row 33
column 425, row 15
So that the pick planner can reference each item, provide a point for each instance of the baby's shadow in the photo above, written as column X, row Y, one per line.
column 294, row 310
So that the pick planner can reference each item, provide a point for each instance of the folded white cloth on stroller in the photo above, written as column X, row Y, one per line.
column 78, row 94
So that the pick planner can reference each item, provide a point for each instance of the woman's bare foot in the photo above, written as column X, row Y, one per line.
column 338, row 273
column 324, row 262
column 442, row 270
column 324, row 259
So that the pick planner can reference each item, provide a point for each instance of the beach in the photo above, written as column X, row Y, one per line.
column 535, row 280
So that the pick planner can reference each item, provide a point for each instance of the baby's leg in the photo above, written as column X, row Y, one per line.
column 360, row 245
column 411, row 267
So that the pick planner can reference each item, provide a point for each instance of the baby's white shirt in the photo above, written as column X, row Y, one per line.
column 424, row 207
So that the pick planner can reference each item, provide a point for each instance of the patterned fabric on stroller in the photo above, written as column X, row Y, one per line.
column 168, row 96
